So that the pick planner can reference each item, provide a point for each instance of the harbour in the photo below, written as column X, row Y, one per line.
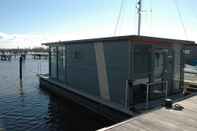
column 98, row 65
column 27, row 107
column 162, row 76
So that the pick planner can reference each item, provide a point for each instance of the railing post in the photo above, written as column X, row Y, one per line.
column 147, row 96
column 166, row 93
column 126, row 94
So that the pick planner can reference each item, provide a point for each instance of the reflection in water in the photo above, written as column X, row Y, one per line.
column 20, row 87
column 25, row 107
column 64, row 115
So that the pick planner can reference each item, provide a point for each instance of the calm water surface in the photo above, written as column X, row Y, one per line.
column 25, row 107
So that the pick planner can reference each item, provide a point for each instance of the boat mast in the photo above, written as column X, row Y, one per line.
column 139, row 10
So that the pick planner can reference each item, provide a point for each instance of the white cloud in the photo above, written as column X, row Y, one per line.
column 22, row 40
column 32, row 40
column 15, row 40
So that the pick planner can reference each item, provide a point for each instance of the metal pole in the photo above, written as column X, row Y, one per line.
column 139, row 8
column 147, row 96
column 20, row 67
column 166, row 89
column 126, row 95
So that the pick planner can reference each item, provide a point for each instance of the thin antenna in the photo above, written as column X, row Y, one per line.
column 139, row 10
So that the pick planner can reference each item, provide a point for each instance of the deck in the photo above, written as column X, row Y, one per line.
column 162, row 119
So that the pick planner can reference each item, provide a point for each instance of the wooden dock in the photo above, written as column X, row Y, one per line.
column 163, row 119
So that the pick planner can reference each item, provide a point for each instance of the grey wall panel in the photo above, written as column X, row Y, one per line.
column 116, row 56
column 82, row 72
column 102, row 71
column 53, row 62
column 141, row 61
column 61, row 64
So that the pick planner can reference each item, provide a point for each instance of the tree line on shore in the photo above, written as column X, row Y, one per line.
column 23, row 50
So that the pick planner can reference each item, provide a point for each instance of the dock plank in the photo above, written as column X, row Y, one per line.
column 162, row 119
column 170, row 119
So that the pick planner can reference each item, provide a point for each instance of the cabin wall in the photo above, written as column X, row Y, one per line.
column 117, row 65
column 178, row 67
column 81, row 67
column 61, row 66
column 53, row 62
column 153, row 63
column 142, row 61
column 140, row 73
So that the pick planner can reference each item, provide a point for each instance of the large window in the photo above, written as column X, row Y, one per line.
column 61, row 63
column 141, row 61
column 53, row 62
column 158, row 58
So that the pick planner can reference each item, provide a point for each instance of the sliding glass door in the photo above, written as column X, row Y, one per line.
column 61, row 63
column 53, row 62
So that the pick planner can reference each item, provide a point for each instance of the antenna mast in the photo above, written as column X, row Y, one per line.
column 139, row 11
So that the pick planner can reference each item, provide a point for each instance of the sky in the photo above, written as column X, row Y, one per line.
column 28, row 23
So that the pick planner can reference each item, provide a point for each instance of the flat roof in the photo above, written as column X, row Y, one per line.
column 130, row 37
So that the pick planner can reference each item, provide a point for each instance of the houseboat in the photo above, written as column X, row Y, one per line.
column 112, row 75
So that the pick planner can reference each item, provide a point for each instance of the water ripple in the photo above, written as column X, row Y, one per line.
column 26, row 107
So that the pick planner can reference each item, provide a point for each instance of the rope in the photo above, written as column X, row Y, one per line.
column 118, row 17
column 181, row 18
column 151, row 16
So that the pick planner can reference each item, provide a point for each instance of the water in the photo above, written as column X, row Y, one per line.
column 25, row 107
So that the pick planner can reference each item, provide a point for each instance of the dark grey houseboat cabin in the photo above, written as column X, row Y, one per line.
column 116, row 73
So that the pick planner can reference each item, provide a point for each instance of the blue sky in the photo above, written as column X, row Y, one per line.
column 27, row 23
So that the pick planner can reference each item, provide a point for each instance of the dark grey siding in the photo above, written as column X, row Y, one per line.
column 116, row 56
column 141, row 61
column 61, row 63
column 53, row 62
column 82, row 71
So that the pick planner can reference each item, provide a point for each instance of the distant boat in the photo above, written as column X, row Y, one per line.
column 190, row 69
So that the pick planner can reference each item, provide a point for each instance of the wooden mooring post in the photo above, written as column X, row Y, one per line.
column 20, row 68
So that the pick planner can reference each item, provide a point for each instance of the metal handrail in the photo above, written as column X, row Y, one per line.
column 126, row 104
column 154, row 83
column 126, row 94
